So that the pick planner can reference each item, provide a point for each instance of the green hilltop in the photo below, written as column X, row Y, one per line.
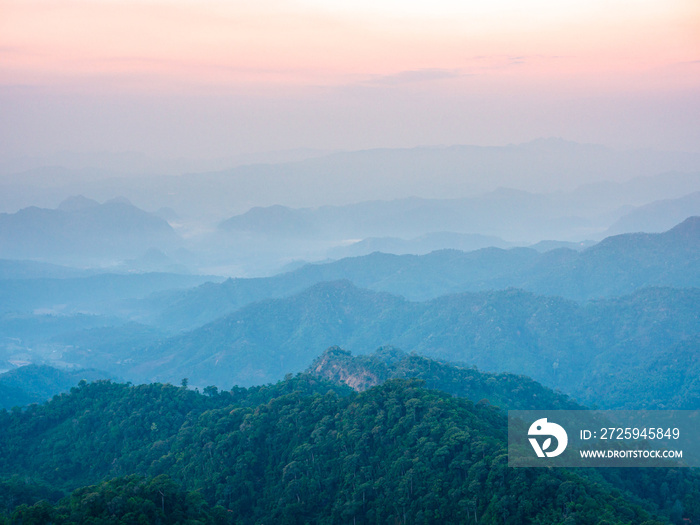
column 303, row 450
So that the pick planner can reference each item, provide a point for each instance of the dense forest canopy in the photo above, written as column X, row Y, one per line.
column 303, row 450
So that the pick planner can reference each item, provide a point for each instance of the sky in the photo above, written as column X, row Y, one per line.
column 214, row 78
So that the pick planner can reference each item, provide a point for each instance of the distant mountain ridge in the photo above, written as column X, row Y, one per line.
column 501, row 218
column 539, row 165
column 515, row 215
column 80, row 229
column 380, row 174
column 659, row 215
column 274, row 214
column 422, row 245
column 619, row 265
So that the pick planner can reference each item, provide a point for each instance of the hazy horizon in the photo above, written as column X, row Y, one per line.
column 296, row 121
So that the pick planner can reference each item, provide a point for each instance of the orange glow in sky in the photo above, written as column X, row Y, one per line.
column 400, row 54
column 207, row 42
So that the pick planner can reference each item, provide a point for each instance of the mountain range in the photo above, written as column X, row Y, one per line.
column 616, row 266
column 334, row 179
column 515, row 215
column 563, row 344
column 574, row 318
column 254, row 219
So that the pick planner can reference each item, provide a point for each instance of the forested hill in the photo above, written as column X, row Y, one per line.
column 300, row 451
column 507, row 391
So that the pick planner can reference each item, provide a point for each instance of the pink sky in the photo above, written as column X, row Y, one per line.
column 116, row 75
